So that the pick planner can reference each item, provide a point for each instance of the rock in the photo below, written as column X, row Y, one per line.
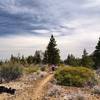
column 75, row 97
column 42, row 74
column 54, row 91
column 96, row 90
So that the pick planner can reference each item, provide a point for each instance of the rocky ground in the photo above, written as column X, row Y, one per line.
column 25, row 87
column 57, row 92
column 41, row 87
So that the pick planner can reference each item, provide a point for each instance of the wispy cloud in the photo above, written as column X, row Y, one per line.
column 77, row 19
column 18, row 16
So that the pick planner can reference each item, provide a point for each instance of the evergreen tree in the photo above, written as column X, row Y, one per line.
column 96, row 55
column 1, row 62
column 30, row 59
column 45, row 58
column 52, row 55
column 14, row 59
column 86, row 60
column 72, row 61
column 37, row 57
column 23, row 60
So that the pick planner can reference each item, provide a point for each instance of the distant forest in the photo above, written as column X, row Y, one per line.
column 52, row 56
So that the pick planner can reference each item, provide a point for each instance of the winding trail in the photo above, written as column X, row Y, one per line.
column 35, row 92
column 40, row 87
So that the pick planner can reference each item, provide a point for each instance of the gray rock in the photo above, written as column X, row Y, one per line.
column 54, row 91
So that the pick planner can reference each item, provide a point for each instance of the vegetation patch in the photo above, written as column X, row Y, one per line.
column 10, row 71
column 75, row 76
column 31, row 69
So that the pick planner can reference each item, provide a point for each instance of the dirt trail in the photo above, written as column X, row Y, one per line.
column 40, row 88
column 36, row 91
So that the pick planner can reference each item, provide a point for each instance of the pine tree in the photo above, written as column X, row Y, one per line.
column 86, row 60
column 14, row 59
column 96, row 55
column 30, row 59
column 72, row 61
column 1, row 62
column 45, row 58
column 22, row 60
column 52, row 55
column 37, row 57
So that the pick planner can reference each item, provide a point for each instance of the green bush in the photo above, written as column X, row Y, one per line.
column 43, row 68
column 10, row 72
column 31, row 69
column 74, row 76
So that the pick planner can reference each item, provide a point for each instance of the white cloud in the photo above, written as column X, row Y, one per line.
column 67, row 44
column 75, row 23
column 23, row 45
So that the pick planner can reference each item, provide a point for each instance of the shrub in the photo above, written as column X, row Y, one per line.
column 74, row 76
column 43, row 68
column 31, row 69
column 10, row 72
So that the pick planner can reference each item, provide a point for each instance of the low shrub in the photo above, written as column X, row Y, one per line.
column 10, row 72
column 43, row 68
column 74, row 76
column 31, row 69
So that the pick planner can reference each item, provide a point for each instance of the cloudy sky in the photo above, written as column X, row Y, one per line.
column 26, row 25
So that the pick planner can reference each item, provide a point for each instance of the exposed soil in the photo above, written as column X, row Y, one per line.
column 33, row 90
column 37, row 87
column 41, row 87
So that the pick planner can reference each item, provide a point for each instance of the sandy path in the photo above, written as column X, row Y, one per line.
column 35, row 92
column 40, row 88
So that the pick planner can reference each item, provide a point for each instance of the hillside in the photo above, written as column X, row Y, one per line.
column 42, row 87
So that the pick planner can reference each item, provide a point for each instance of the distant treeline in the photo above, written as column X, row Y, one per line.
column 52, row 56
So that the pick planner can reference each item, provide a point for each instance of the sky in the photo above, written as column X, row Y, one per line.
column 26, row 26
